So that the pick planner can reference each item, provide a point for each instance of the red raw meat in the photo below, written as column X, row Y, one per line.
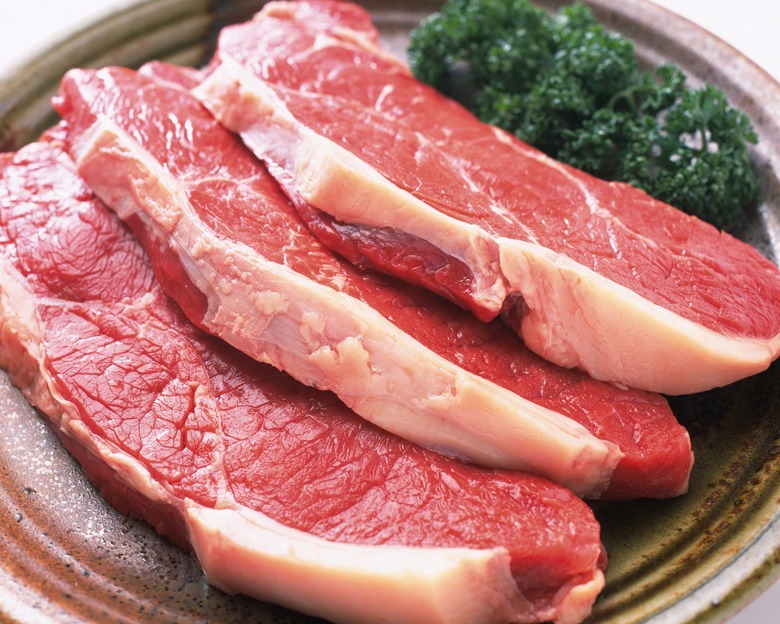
column 282, row 492
column 592, row 274
column 225, row 196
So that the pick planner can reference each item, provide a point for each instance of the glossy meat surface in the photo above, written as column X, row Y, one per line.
column 176, row 426
column 556, row 229
column 228, row 189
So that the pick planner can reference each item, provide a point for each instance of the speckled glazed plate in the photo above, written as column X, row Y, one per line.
column 65, row 556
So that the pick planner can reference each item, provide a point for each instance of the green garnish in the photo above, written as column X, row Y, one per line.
column 569, row 86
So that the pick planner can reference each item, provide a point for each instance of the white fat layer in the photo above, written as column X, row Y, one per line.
column 242, row 550
column 19, row 322
column 245, row 551
column 578, row 318
column 266, row 310
column 331, row 178
column 572, row 315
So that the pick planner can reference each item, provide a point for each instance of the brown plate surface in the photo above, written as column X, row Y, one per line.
column 65, row 556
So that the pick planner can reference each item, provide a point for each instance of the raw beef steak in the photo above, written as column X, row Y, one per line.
column 281, row 492
column 394, row 176
column 242, row 264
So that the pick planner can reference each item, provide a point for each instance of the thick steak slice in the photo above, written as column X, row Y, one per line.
column 217, row 224
column 281, row 491
column 392, row 175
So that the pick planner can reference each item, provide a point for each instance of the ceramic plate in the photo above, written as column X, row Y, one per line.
column 67, row 557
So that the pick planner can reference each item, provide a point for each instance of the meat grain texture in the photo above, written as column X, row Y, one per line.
column 235, row 254
column 281, row 492
column 279, row 489
column 394, row 176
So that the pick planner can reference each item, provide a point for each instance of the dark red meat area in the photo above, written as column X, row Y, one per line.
column 197, row 414
column 244, row 204
column 413, row 260
column 367, row 105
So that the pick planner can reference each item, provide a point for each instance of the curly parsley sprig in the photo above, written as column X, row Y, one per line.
column 575, row 90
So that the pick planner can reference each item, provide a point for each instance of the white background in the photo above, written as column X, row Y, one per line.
column 751, row 26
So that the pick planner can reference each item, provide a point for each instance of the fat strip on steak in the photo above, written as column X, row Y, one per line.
column 394, row 176
column 281, row 492
column 237, row 257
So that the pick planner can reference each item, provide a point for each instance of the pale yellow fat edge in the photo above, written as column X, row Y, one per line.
column 575, row 317
column 578, row 318
column 331, row 178
column 246, row 552
column 482, row 421
column 616, row 335
column 242, row 550
column 385, row 375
